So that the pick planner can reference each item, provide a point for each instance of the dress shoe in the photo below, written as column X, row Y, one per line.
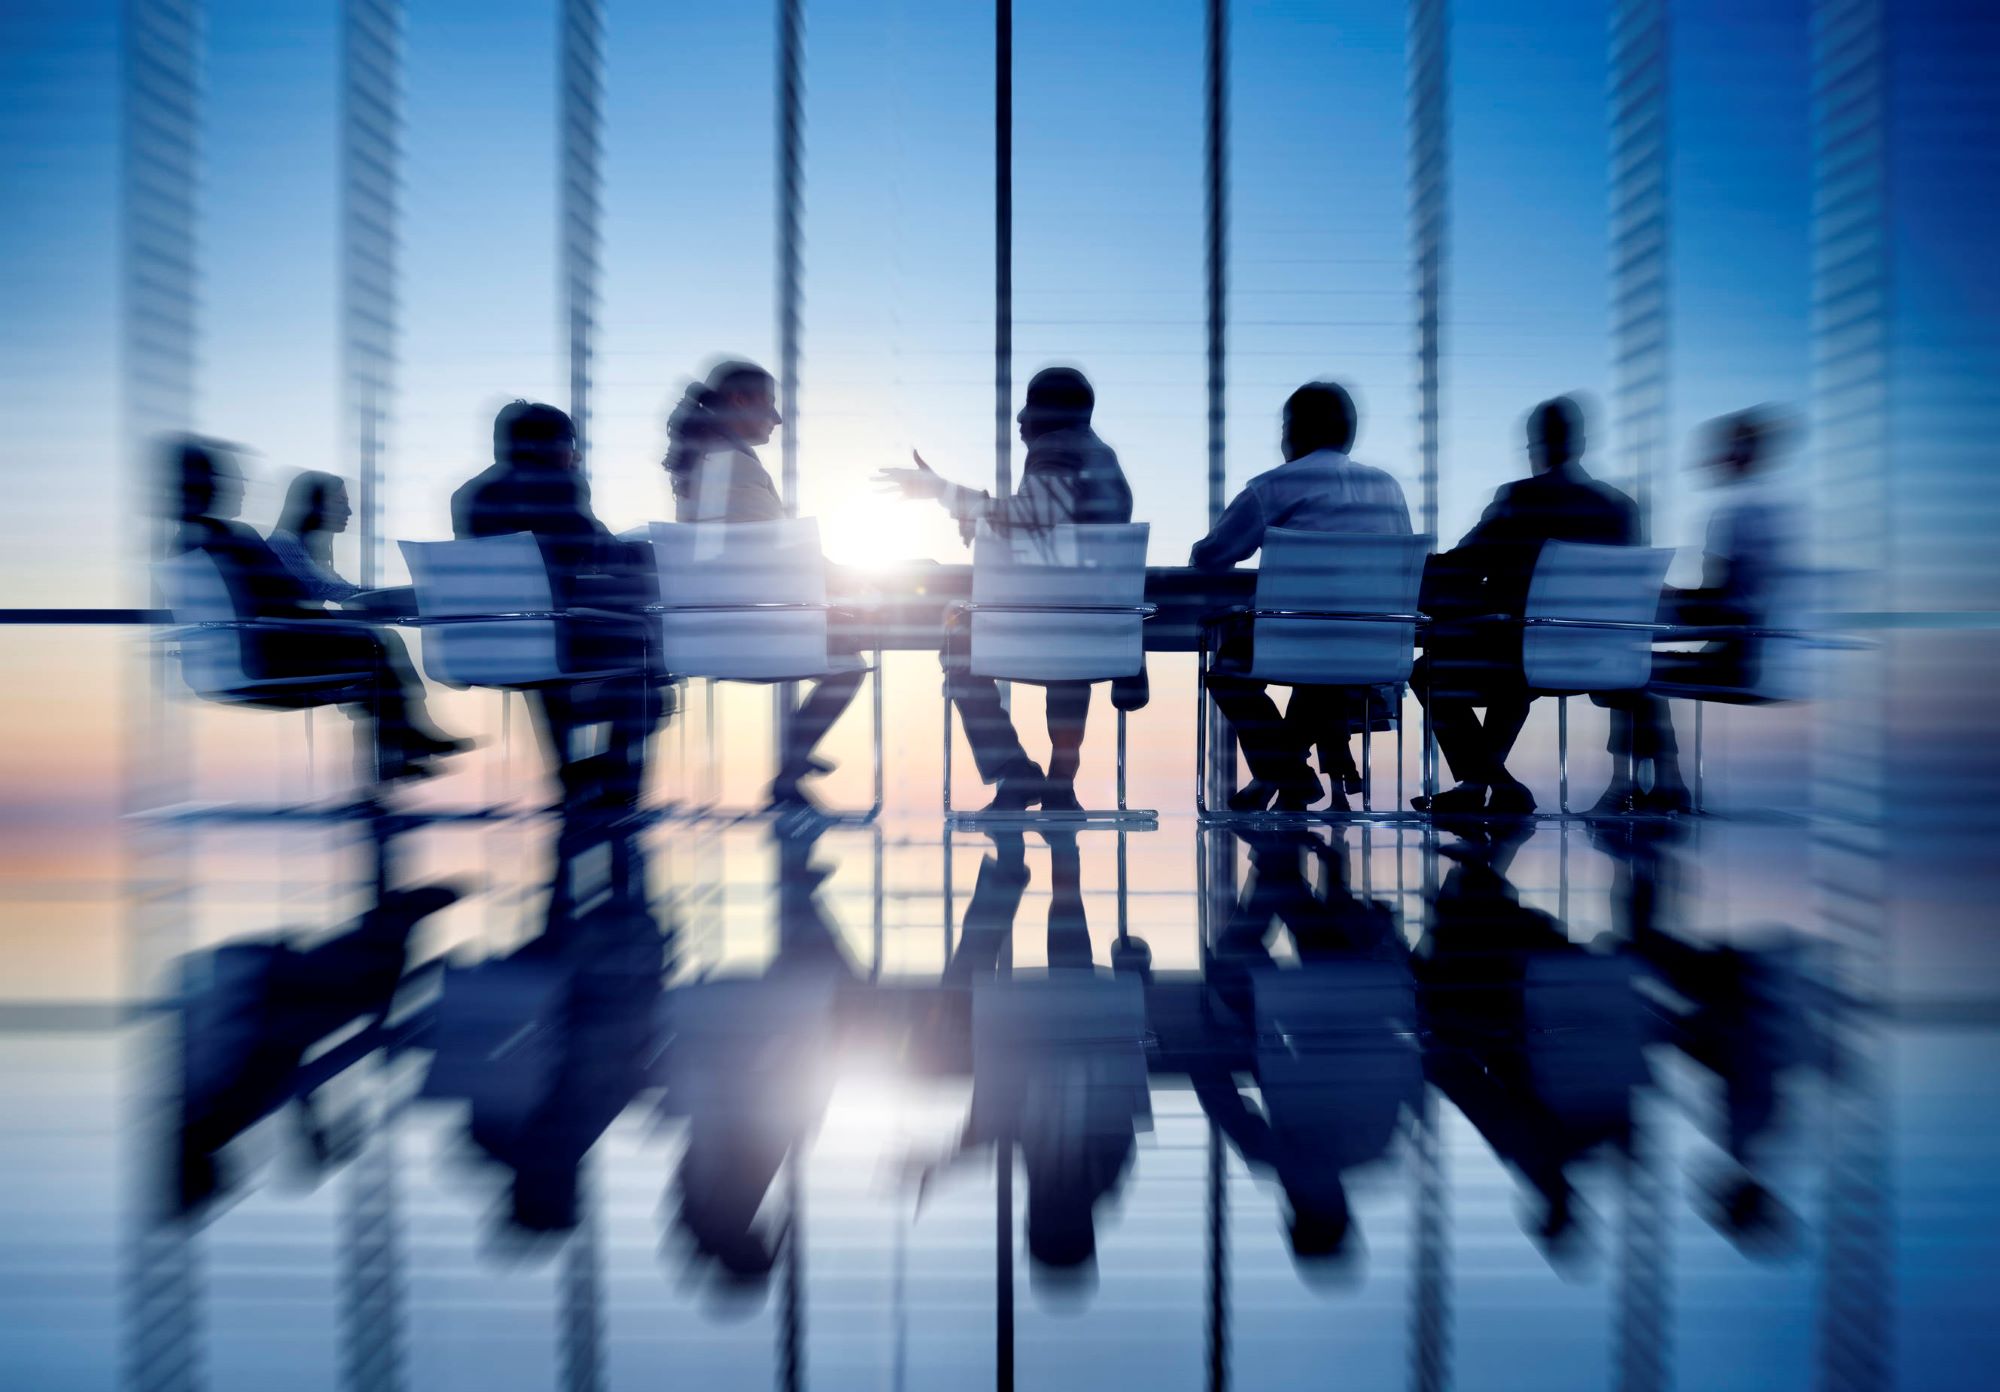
column 1018, row 789
column 1463, row 799
column 1510, row 799
column 1059, row 795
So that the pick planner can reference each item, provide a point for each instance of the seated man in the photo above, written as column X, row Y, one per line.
column 1317, row 489
column 1471, row 663
column 534, row 486
column 1070, row 476
column 208, row 492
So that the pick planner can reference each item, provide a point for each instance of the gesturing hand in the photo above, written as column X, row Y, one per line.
column 920, row 482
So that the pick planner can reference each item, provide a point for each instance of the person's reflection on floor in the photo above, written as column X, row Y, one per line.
column 1058, row 1066
column 250, row 1012
column 1535, row 1039
column 747, row 1070
column 1342, row 1065
column 550, row 1042
column 1741, row 1009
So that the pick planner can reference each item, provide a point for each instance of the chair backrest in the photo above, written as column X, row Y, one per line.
column 710, row 572
column 486, row 576
column 1060, row 573
column 1595, row 584
column 1331, row 572
column 212, row 659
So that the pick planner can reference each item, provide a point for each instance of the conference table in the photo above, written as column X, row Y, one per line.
column 903, row 609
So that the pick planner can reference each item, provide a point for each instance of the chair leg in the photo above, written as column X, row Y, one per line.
column 1367, row 751
column 875, row 681
column 1121, row 761
column 1697, row 756
column 1400, row 804
column 1562, row 752
column 1201, row 731
column 946, row 762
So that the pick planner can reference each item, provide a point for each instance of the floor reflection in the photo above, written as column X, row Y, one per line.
column 1361, row 1041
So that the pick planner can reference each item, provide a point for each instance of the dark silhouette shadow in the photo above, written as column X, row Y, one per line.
column 1334, row 1057
column 1537, row 1040
column 748, row 1071
column 250, row 1013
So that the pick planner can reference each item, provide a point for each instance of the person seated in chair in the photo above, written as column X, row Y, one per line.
column 1317, row 489
column 207, row 493
column 1471, row 661
column 534, row 486
column 1070, row 475
column 712, row 459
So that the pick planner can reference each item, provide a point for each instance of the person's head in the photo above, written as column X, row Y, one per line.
column 1319, row 415
column 1743, row 443
column 1059, row 398
column 532, row 435
column 740, row 397
column 1555, row 434
column 315, row 503
column 204, row 479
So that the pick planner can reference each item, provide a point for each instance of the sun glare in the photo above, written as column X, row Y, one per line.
column 872, row 531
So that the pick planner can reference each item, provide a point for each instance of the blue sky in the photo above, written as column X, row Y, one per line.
column 898, row 314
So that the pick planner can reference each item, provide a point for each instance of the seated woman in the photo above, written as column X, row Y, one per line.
column 717, row 477
column 207, row 492
column 316, row 511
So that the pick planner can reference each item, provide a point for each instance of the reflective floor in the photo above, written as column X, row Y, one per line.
column 1537, row 1105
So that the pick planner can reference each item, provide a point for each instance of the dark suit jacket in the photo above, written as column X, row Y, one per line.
column 1488, row 571
column 554, row 504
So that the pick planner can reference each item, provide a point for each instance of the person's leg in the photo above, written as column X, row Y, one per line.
column 996, row 748
column 1317, row 716
column 1068, row 710
column 824, row 704
column 1269, row 747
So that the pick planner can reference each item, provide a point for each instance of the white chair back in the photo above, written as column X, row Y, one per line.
column 1594, row 584
column 1060, row 573
column 212, row 661
column 1321, row 572
column 486, row 576
column 710, row 572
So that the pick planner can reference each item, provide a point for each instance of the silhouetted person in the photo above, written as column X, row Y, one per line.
column 316, row 511
column 1470, row 664
column 534, row 486
column 1317, row 489
column 208, row 493
column 712, row 459
column 1750, row 557
column 1331, row 1096
column 1070, row 475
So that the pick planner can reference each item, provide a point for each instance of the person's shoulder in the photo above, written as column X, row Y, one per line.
column 1375, row 475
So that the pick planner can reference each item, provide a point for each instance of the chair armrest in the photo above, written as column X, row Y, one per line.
column 1611, row 625
column 319, row 626
column 754, row 608
column 517, row 616
column 967, row 606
